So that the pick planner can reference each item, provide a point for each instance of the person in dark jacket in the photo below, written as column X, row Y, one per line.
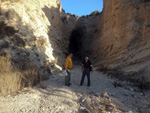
column 86, row 70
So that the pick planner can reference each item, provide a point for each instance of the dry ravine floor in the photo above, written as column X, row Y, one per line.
column 105, row 95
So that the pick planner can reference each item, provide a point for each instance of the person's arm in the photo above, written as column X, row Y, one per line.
column 66, row 65
column 91, row 66
column 82, row 66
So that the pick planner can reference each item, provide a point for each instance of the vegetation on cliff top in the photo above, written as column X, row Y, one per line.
column 96, row 12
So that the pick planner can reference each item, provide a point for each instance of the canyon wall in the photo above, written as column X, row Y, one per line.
column 40, row 33
column 35, row 33
column 122, row 41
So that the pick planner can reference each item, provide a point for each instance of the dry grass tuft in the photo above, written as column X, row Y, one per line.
column 10, row 77
column 31, row 77
column 12, row 80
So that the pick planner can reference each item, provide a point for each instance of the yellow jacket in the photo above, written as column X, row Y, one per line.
column 68, row 63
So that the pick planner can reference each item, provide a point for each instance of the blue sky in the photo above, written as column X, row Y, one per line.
column 81, row 7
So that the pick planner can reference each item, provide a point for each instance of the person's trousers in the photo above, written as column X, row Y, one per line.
column 85, row 72
column 67, row 78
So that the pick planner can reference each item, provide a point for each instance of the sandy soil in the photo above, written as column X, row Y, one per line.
column 52, row 96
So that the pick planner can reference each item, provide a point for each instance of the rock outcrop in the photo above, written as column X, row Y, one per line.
column 35, row 33
column 122, row 41
column 38, row 33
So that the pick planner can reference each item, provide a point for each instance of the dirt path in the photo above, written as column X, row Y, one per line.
column 101, row 97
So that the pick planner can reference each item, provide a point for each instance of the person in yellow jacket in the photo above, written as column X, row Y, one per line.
column 68, row 66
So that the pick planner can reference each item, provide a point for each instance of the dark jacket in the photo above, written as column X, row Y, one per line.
column 87, row 65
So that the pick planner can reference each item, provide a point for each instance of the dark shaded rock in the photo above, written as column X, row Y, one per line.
column 115, row 84
column 6, row 30
column 64, row 19
column 4, row 44
column 18, row 41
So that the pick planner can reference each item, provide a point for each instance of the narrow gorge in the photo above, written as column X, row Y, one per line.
column 36, row 36
column 40, row 34
column 117, row 39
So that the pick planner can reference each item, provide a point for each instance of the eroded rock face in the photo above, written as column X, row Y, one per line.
column 35, row 33
column 122, row 40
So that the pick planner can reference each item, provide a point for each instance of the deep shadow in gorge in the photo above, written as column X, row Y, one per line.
column 75, row 45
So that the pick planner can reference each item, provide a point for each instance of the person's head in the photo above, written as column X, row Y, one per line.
column 71, row 55
column 86, row 58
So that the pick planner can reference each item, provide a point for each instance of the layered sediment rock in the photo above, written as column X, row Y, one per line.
column 122, row 41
